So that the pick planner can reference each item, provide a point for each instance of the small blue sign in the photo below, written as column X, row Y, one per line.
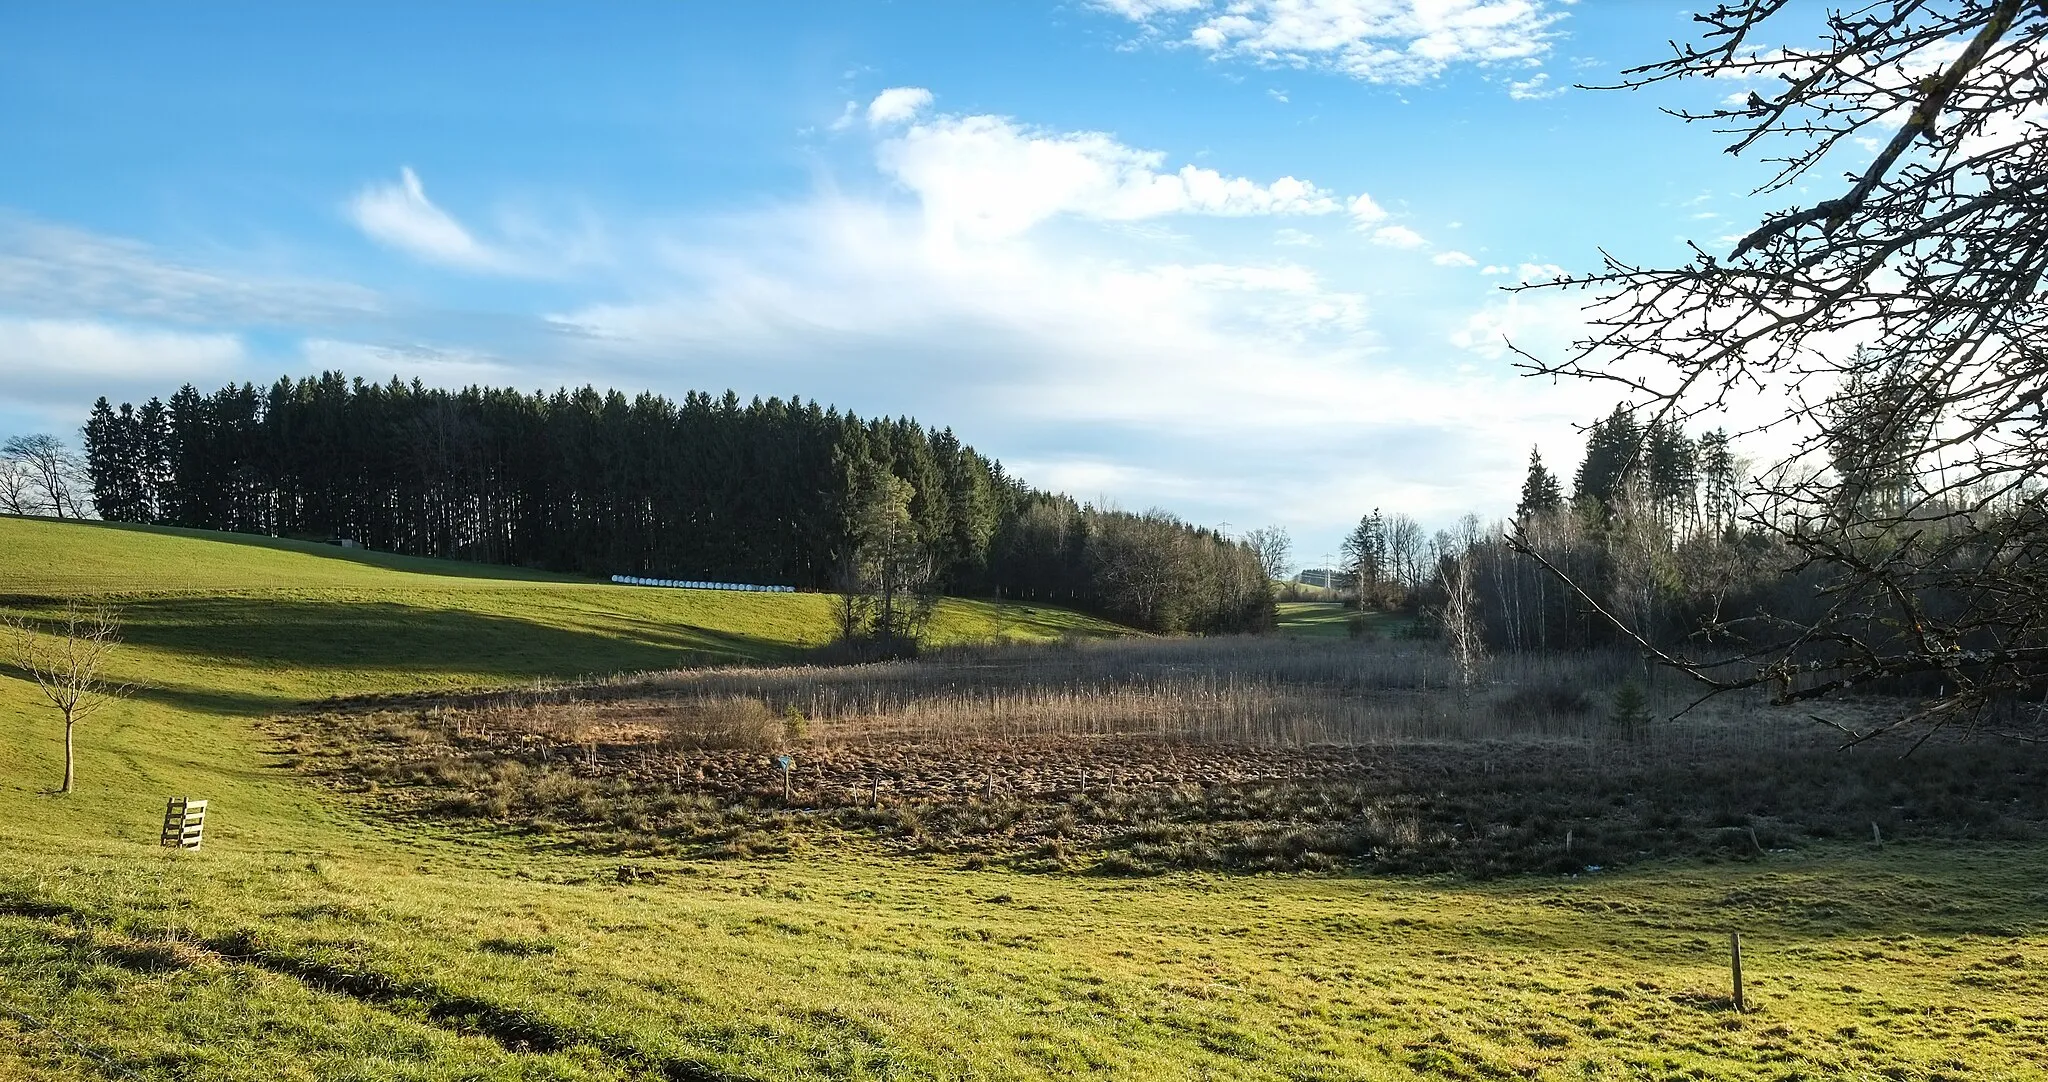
column 785, row 762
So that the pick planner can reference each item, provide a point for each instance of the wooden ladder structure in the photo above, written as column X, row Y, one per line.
column 184, row 823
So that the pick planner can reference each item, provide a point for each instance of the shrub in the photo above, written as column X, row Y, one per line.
column 739, row 722
column 1629, row 711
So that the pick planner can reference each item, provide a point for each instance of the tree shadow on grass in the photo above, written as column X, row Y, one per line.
column 389, row 561
column 384, row 636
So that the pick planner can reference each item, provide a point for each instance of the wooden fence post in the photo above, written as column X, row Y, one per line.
column 1735, row 966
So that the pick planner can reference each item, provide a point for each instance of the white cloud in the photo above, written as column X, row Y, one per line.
column 401, row 215
column 1453, row 259
column 989, row 177
column 1364, row 211
column 1391, row 41
column 1398, row 236
column 94, row 348
column 56, row 367
column 1534, row 88
column 1216, row 388
column 898, row 104
column 1294, row 238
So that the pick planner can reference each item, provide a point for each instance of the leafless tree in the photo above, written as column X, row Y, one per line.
column 1460, row 616
column 68, row 663
column 1930, row 255
column 17, row 493
column 40, row 475
column 1408, row 553
column 1274, row 549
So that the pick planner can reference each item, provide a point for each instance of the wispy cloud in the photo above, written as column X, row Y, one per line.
column 53, row 277
column 56, row 271
column 1381, row 41
column 400, row 215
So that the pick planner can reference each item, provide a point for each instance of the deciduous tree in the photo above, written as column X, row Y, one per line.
column 68, row 663
column 1931, row 253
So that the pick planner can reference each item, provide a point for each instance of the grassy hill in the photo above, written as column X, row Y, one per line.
column 220, row 629
column 314, row 937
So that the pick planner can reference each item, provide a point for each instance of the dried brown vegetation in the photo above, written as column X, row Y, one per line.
column 1249, row 753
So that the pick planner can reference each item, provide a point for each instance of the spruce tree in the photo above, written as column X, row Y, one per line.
column 1614, row 459
column 1541, row 496
column 110, row 463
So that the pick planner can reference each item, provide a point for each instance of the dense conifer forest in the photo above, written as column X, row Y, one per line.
column 766, row 491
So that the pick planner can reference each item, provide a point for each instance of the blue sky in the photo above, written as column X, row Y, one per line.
column 1242, row 262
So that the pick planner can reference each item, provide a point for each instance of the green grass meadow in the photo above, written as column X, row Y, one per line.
column 1332, row 620
column 313, row 938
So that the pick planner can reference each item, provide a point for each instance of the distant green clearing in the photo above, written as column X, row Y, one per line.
column 1332, row 619
column 316, row 938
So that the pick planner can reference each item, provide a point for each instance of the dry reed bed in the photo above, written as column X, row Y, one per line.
column 1241, row 692
column 1204, row 753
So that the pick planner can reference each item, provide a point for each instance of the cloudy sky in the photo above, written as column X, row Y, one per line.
column 1241, row 260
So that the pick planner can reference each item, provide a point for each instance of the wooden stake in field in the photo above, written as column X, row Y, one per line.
column 787, row 764
column 1735, row 966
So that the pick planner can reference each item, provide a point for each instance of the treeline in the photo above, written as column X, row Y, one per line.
column 592, row 482
column 1649, row 529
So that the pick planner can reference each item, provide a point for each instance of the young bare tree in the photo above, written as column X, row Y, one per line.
column 68, row 664
column 1931, row 255
column 1460, row 616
